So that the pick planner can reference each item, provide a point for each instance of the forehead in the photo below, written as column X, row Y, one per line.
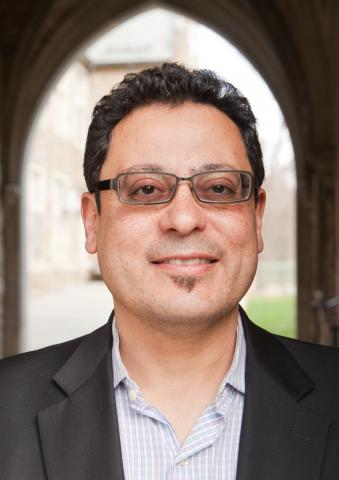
column 178, row 139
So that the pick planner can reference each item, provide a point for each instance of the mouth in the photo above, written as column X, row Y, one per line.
column 186, row 261
column 186, row 264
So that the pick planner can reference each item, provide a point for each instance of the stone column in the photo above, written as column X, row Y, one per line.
column 316, row 249
column 1, row 215
column 12, row 142
column 13, row 268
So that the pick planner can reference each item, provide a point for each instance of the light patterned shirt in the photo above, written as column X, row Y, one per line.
column 150, row 448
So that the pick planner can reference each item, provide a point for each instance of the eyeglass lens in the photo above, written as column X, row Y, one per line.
column 215, row 187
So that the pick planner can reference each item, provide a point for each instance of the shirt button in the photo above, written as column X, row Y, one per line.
column 184, row 463
column 132, row 395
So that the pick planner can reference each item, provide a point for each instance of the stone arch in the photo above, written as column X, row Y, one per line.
column 58, row 34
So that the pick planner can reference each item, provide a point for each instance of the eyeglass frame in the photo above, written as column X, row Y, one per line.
column 113, row 184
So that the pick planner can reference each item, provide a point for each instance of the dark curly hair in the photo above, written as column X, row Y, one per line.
column 169, row 84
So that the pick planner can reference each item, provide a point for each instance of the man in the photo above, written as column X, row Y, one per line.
column 179, row 384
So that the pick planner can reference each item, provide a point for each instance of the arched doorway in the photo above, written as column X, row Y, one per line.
column 58, row 269
column 224, row 21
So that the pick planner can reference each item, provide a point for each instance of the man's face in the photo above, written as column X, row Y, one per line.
column 146, row 252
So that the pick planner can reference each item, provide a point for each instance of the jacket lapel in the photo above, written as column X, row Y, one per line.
column 280, row 439
column 80, row 435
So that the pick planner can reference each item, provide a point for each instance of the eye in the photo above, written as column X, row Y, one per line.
column 146, row 189
column 219, row 186
column 142, row 188
column 221, row 189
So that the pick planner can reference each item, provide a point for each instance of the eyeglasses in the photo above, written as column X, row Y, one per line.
column 151, row 188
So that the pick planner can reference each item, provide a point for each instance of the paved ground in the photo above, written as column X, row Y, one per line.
column 64, row 314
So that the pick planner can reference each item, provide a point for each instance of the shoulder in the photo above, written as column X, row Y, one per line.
column 310, row 371
column 316, row 360
column 31, row 371
column 27, row 386
column 28, row 373
column 29, row 381
column 322, row 362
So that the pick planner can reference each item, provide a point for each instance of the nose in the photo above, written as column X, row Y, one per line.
column 184, row 214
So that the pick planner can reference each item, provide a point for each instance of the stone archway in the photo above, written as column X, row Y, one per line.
column 263, row 35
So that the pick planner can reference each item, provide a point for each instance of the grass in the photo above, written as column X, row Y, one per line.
column 275, row 314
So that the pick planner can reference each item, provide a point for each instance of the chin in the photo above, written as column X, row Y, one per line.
column 181, row 314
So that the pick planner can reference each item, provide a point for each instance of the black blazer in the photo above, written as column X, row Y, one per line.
column 58, row 418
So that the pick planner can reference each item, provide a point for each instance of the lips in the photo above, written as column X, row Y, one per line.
column 185, row 261
column 188, row 264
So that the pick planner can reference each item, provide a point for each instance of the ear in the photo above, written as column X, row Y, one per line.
column 259, row 212
column 90, row 217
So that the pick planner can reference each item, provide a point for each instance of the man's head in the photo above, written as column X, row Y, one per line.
column 185, row 262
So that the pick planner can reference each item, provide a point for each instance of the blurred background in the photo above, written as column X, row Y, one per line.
column 53, row 290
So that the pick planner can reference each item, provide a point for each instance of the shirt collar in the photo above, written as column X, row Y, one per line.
column 236, row 374
column 234, row 377
column 119, row 370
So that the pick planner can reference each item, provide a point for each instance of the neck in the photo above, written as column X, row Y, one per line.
column 198, row 355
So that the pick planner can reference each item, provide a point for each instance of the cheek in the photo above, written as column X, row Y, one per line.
column 239, row 232
column 120, row 236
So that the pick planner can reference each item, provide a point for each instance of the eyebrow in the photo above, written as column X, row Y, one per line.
column 207, row 167
column 154, row 167
column 145, row 167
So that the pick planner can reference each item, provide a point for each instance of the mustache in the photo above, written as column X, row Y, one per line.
column 173, row 247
